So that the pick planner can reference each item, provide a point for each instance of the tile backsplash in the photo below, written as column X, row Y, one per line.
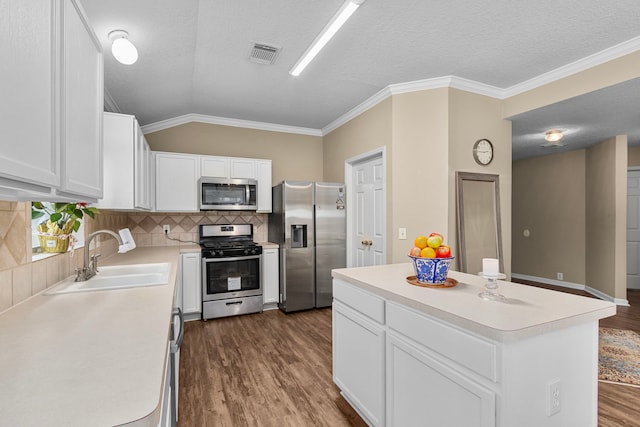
column 20, row 277
column 146, row 228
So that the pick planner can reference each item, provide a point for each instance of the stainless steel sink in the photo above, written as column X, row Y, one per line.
column 116, row 277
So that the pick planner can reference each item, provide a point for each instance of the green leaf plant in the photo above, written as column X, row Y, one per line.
column 61, row 213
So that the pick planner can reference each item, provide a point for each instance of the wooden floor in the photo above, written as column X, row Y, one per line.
column 274, row 369
column 268, row 369
column 618, row 405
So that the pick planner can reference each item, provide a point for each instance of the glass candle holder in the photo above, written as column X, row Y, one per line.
column 491, row 287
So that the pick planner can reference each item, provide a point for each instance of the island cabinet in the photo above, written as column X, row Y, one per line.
column 405, row 355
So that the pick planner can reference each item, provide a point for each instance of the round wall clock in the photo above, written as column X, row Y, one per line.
column 483, row 152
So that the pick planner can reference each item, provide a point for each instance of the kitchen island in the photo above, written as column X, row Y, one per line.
column 89, row 358
column 405, row 355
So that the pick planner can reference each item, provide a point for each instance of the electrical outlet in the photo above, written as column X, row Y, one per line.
column 554, row 396
column 402, row 233
column 560, row 276
column 166, row 229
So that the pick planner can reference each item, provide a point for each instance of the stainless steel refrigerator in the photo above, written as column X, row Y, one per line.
column 308, row 221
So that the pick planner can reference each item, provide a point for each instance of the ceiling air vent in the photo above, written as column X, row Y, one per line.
column 263, row 54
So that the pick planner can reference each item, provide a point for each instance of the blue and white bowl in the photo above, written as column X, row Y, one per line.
column 432, row 271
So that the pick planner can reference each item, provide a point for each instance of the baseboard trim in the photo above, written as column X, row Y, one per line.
column 592, row 291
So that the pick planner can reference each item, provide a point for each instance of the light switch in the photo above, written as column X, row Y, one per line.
column 402, row 233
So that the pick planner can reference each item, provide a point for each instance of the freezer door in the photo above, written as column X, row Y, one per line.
column 297, row 283
column 331, row 233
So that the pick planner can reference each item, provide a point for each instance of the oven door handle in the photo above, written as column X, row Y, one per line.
column 238, row 258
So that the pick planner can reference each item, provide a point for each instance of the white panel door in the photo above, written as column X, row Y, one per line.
column 30, row 147
column 633, row 229
column 368, row 230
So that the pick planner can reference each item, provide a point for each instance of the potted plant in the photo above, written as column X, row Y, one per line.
column 59, row 221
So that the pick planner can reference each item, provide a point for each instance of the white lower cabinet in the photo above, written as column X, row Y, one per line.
column 191, row 284
column 423, row 391
column 390, row 378
column 358, row 362
column 270, row 278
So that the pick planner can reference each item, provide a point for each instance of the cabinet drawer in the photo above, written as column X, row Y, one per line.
column 361, row 301
column 452, row 344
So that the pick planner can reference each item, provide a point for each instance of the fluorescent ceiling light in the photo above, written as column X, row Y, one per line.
column 343, row 14
column 122, row 49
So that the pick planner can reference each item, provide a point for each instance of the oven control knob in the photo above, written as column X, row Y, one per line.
column 220, row 252
column 246, row 251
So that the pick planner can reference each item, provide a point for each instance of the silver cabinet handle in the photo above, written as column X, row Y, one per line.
column 175, row 345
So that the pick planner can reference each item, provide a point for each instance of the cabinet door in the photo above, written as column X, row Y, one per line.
column 420, row 387
column 142, row 196
column 264, row 186
column 358, row 363
column 82, row 93
column 216, row 167
column 30, row 147
column 191, row 292
column 118, row 157
column 270, row 276
column 176, row 182
column 242, row 168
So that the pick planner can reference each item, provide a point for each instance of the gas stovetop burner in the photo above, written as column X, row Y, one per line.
column 225, row 244
column 228, row 240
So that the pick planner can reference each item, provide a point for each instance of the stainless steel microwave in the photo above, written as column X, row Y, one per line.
column 219, row 194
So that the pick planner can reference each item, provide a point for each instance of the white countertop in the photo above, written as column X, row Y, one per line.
column 528, row 310
column 89, row 358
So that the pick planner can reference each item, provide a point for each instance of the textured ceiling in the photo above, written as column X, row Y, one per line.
column 194, row 53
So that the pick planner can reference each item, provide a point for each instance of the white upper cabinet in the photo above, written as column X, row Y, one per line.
column 215, row 167
column 82, row 96
column 242, row 168
column 30, row 148
column 127, row 164
column 264, row 186
column 53, row 74
column 177, row 182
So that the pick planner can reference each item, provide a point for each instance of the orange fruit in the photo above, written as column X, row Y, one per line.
column 428, row 253
column 420, row 242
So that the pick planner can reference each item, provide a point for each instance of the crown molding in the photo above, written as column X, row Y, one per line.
column 583, row 64
column 415, row 86
column 224, row 121
column 357, row 110
column 617, row 51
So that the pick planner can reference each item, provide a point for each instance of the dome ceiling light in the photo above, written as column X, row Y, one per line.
column 553, row 135
column 122, row 49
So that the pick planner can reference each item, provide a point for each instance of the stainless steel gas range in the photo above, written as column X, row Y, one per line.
column 231, row 269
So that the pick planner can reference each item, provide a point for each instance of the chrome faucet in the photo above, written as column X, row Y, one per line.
column 90, row 267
